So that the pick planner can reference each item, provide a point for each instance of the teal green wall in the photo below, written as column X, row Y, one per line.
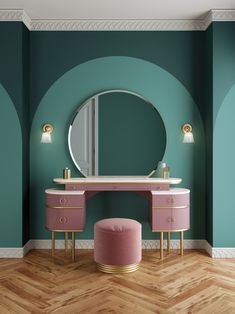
column 200, row 67
column 223, row 137
column 132, row 136
column 11, row 174
column 224, row 173
column 208, row 127
column 175, row 108
column 14, row 73
column 54, row 53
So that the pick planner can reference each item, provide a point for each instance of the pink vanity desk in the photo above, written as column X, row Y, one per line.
column 169, row 207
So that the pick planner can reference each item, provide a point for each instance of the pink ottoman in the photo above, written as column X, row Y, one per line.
column 117, row 245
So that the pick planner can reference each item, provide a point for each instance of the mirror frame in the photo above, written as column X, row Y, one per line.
column 84, row 103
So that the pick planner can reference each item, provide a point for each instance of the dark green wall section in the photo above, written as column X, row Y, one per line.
column 25, row 131
column 11, row 65
column 11, row 174
column 132, row 136
column 208, row 125
column 14, row 75
column 224, row 130
column 54, row 53
column 223, row 62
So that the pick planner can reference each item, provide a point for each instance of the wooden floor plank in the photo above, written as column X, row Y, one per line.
column 194, row 283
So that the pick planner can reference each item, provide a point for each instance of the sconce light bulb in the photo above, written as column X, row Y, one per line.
column 47, row 129
column 46, row 138
column 188, row 138
column 188, row 135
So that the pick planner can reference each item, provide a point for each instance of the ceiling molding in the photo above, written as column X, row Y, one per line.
column 11, row 15
column 223, row 15
column 118, row 24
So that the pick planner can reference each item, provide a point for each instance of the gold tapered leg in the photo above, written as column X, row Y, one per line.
column 73, row 246
column 168, row 242
column 182, row 243
column 161, row 245
column 66, row 242
column 53, row 243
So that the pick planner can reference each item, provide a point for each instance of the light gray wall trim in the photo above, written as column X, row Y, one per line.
column 146, row 245
column 11, row 252
column 118, row 24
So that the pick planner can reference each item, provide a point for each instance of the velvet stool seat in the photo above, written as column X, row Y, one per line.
column 117, row 245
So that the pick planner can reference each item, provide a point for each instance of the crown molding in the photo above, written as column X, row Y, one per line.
column 222, row 15
column 11, row 15
column 118, row 24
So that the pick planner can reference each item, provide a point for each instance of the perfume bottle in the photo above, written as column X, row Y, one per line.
column 66, row 173
column 166, row 173
column 159, row 172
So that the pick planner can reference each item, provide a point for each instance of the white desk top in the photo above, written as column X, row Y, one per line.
column 63, row 192
column 173, row 191
column 118, row 179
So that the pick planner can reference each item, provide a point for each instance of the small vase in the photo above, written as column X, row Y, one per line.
column 159, row 172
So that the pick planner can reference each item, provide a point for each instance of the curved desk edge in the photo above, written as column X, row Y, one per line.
column 117, row 180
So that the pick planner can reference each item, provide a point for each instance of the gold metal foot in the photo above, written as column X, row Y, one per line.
column 73, row 246
column 117, row 269
column 182, row 243
column 66, row 235
column 53, row 243
column 161, row 245
column 168, row 242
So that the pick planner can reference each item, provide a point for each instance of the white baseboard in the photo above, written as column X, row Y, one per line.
column 146, row 245
column 223, row 252
column 12, row 252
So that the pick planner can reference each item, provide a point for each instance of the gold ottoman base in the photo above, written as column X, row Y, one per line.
column 117, row 269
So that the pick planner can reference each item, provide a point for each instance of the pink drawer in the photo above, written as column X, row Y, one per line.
column 180, row 219
column 161, row 219
column 170, row 219
column 170, row 200
column 65, row 219
column 65, row 200
column 116, row 187
column 53, row 219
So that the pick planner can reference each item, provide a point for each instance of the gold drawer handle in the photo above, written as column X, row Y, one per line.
column 170, row 200
column 63, row 219
column 63, row 201
column 170, row 219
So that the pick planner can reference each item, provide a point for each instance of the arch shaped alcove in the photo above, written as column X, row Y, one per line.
column 224, row 173
column 163, row 90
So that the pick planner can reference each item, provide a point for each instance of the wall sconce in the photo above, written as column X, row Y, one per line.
column 188, row 135
column 46, row 135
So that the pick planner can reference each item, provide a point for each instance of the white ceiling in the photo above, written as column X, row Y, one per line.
column 117, row 9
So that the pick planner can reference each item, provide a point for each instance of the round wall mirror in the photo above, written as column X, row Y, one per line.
column 116, row 133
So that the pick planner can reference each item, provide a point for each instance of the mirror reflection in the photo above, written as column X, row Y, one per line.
column 116, row 133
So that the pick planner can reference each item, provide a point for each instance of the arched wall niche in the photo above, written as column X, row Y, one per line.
column 172, row 101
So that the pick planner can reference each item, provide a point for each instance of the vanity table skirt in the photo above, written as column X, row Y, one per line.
column 117, row 241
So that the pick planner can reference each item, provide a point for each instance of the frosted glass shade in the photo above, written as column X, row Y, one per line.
column 188, row 137
column 46, row 138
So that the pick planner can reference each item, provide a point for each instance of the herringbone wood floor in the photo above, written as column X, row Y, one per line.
column 194, row 283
